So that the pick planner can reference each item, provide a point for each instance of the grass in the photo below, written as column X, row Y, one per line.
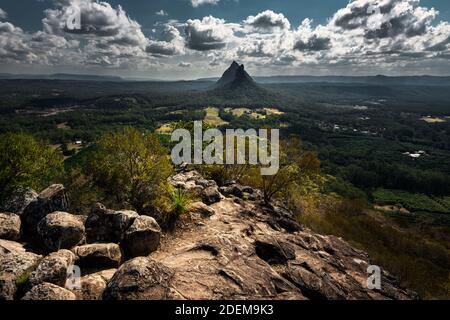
column 212, row 117
column 412, row 202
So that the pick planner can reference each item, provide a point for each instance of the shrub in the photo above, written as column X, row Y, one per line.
column 26, row 162
column 132, row 166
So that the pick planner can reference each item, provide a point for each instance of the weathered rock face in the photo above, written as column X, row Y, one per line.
column 19, row 200
column 53, row 268
column 98, row 255
column 9, row 226
column 201, row 209
column 142, row 238
column 15, row 266
column 211, row 195
column 50, row 200
column 108, row 226
column 49, row 292
column 61, row 230
column 139, row 279
column 236, row 248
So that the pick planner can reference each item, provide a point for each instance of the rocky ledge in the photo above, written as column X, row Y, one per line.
column 229, row 246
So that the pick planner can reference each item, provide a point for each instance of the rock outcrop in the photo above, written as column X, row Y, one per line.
column 9, row 226
column 49, row 292
column 61, row 230
column 141, row 238
column 53, row 269
column 98, row 255
column 229, row 246
column 15, row 266
column 52, row 199
column 108, row 226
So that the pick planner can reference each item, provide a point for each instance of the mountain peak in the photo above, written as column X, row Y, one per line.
column 235, row 76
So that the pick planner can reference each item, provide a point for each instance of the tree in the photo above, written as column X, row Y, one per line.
column 26, row 162
column 131, row 166
column 296, row 166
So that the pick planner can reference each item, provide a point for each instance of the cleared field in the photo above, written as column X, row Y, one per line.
column 166, row 128
column 433, row 120
column 63, row 126
column 212, row 117
column 255, row 114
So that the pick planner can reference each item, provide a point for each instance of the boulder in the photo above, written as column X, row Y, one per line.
column 49, row 292
column 142, row 238
column 108, row 226
column 202, row 209
column 140, row 279
column 53, row 269
column 9, row 226
column 98, row 255
column 93, row 285
column 210, row 195
column 233, row 190
column 16, row 265
column 19, row 200
column 61, row 230
column 52, row 199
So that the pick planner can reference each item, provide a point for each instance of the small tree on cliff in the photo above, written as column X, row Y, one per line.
column 26, row 162
column 296, row 167
column 131, row 166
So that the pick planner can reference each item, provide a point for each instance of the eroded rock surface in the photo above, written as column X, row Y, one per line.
column 98, row 255
column 61, row 230
column 141, row 238
column 49, row 292
column 9, row 226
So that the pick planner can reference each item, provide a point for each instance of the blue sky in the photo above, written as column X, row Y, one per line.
column 187, row 41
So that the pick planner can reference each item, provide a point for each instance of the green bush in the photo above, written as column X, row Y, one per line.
column 26, row 162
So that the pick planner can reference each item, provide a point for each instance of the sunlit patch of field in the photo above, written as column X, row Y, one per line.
column 273, row 112
column 212, row 117
column 433, row 120
column 392, row 208
column 166, row 128
column 258, row 114
column 63, row 126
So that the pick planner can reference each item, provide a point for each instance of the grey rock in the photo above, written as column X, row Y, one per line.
column 49, row 292
column 53, row 269
column 142, row 238
column 16, row 265
column 19, row 200
column 98, row 255
column 9, row 226
column 52, row 199
column 211, row 195
column 140, row 279
column 109, row 226
column 61, row 230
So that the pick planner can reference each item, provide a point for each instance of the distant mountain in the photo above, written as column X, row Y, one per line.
column 60, row 76
column 235, row 77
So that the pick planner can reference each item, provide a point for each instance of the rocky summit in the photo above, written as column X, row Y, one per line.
column 228, row 246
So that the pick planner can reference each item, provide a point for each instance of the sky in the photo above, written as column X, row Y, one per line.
column 189, row 39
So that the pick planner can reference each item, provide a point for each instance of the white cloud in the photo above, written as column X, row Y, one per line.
column 161, row 13
column 171, row 43
column 3, row 14
column 197, row 3
column 268, row 21
column 210, row 33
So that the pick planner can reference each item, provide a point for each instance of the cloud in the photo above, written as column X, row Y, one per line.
column 171, row 43
column 210, row 33
column 268, row 20
column 3, row 14
column 197, row 3
column 161, row 13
